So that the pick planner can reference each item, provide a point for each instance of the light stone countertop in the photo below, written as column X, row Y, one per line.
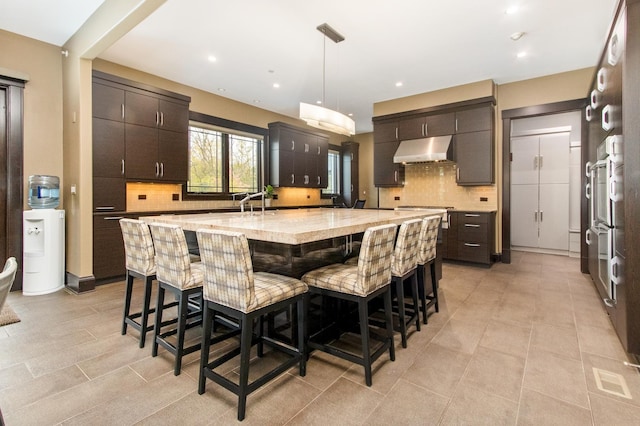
column 297, row 226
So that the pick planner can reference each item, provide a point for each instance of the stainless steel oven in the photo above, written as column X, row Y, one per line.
column 604, row 193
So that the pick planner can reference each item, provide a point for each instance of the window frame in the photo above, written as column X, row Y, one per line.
column 327, row 195
column 263, row 161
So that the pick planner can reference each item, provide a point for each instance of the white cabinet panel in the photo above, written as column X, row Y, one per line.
column 524, row 151
column 554, row 158
column 524, row 207
column 554, row 216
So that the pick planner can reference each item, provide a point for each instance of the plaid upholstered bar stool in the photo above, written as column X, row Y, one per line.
column 403, row 269
column 234, row 290
column 360, row 283
column 140, row 263
column 427, row 257
column 183, row 279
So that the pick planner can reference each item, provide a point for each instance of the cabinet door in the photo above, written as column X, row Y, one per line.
column 173, row 116
column 109, row 194
column 412, row 128
column 524, row 163
column 386, row 172
column 473, row 120
column 108, row 102
column 553, row 160
column 385, row 132
column 474, row 157
column 322, row 159
column 524, row 215
column 554, row 216
column 141, row 152
column 440, row 124
column 108, row 148
column 108, row 247
column 173, row 155
column 141, row 109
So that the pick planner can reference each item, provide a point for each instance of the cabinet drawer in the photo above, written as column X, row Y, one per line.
column 108, row 247
column 473, row 252
column 474, row 218
column 473, row 232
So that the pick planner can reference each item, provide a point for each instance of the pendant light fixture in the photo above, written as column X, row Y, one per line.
column 318, row 116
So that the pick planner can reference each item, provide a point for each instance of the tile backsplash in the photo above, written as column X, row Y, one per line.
column 434, row 184
column 148, row 197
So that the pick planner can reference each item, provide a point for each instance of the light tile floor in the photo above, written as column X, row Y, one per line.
column 512, row 344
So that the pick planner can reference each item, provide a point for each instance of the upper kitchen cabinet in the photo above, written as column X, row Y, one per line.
column 386, row 173
column 473, row 146
column 140, row 132
column 424, row 126
column 299, row 158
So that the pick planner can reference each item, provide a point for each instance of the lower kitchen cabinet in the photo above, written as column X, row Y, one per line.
column 108, row 247
column 470, row 236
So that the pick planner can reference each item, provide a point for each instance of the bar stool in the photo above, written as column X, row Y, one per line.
column 140, row 263
column 403, row 268
column 179, row 276
column 360, row 283
column 233, row 289
column 427, row 257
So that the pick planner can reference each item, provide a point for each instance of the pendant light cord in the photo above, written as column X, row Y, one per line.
column 324, row 66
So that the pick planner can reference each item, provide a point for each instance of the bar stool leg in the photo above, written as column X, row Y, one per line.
column 158, row 322
column 206, row 345
column 389, row 320
column 245, row 351
column 302, row 333
column 401, row 314
column 183, row 311
column 127, row 302
column 422, row 291
column 363, row 310
column 414, row 298
column 144, row 316
column 434, row 284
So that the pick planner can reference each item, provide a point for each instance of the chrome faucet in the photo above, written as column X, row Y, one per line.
column 249, row 197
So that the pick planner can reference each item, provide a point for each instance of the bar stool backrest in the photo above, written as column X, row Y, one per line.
column 405, row 255
column 228, row 276
column 374, row 261
column 7, row 276
column 138, row 247
column 428, row 239
column 173, row 263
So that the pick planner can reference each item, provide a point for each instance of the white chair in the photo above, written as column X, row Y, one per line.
column 7, row 277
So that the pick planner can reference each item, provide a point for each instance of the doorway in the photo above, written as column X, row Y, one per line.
column 11, row 172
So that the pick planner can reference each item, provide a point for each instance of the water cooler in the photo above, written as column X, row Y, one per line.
column 43, row 238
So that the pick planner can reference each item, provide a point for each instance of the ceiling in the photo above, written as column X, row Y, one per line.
column 424, row 44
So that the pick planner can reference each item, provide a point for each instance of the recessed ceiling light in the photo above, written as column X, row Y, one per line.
column 399, row 84
column 350, row 114
column 516, row 36
column 256, row 101
column 221, row 89
column 212, row 58
column 521, row 54
column 276, row 85
column 319, row 102
column 511, row 10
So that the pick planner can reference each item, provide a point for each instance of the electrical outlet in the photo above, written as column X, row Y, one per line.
column 142, row 197
column 396, row 198
column 484, row 199
column 175, row 197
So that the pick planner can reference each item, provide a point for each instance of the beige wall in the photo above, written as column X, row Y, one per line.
column 42, row 63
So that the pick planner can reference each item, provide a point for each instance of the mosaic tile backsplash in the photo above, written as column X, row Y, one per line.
column 149, row 197
column 434, row 184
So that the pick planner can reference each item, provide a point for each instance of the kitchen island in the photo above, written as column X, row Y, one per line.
column 293, row 242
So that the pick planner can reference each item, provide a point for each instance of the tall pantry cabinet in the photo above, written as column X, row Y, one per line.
column 540, row 191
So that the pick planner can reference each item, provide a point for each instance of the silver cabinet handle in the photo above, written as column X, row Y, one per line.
column 587, row 237
column 157, row 169
column 122, row 110
column 587, row 191
column 122, row 167
column 471, row 215
column 456, row 124
column 471, row 225
column 319, row 181
column 395, row 176
column 306, row 147
column 541, row 213
column 161, row 169
column 352, row 156
column 535, row 216
column 306, row 179
column 540, row 161
column 471, row 245
column 422, row 130
column 162, row 119
column 458, row 173
column 351, row 187
column 157, row 118
column 535, row 162
column 293, row 178
column 318, row 150
column 587, row 169
column 609, row 302
column 614, row 272
column 396, row 132
column 293, row 145
column 426, row 129
column 113, row 217
column 105, row 208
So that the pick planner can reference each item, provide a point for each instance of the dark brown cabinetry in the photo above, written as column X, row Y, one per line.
column 470, row 122
column 424, row 126
column 613, row 253
column 350, row 171
column 108, row 247
column 299, row 158
column 470, row 236
column 386, row 173
column 473, row 146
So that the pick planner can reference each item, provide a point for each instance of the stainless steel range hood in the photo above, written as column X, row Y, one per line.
column 436, row 148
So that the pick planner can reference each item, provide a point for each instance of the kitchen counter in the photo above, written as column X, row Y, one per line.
column 298, row 226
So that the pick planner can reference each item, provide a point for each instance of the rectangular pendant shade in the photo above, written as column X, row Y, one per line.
column 327, row 119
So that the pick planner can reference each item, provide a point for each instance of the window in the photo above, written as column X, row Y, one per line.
column 223, row 160
column 333, row 180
